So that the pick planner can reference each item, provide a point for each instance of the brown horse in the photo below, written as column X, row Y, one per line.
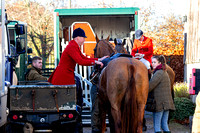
column 171, row 74
column 104, row 48
column 119, row 46
column 123, row 91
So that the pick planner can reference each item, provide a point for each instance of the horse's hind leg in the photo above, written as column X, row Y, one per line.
column 140, row 117
column 111, row 121
column 102, row 115
column 116, row 114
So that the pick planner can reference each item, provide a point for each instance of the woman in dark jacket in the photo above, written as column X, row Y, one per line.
column 160, row 86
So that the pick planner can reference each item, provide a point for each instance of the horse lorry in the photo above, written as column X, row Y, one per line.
column 113, row 22
column 30, row 106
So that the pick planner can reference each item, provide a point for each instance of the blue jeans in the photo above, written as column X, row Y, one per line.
column 160, row 120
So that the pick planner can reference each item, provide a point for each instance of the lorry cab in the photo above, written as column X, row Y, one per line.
column 17, row 51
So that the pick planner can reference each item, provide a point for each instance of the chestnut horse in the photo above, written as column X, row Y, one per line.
column 123, row 91
column 104, row 48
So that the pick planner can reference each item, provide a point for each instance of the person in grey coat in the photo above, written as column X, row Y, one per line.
column 160, row 85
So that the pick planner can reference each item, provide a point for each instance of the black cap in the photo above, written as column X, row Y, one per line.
column 78, row 32
column 138, row 34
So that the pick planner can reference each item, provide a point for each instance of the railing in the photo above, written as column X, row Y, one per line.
column 83, row 72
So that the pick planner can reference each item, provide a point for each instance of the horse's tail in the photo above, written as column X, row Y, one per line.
column 129, row 106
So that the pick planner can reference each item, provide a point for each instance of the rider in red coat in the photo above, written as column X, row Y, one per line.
column 142, row 46
column 64, row 73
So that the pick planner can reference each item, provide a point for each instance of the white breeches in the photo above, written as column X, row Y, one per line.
column 146, row 63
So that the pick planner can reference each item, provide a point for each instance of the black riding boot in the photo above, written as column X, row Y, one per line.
column 159, row 132
column 167, row 132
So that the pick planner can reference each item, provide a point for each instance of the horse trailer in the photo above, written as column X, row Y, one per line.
column 104, row 22
column 112, row 22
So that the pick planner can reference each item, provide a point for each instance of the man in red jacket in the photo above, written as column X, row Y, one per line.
column 143, row 48
column 64, row 73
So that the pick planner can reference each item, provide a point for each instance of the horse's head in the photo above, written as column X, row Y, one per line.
column 103, row 48
column 119, row 46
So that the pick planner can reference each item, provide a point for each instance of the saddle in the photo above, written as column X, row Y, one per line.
column 107, row 60
column 94, row 77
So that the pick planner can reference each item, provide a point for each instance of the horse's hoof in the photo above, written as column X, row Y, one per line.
column 144, row 128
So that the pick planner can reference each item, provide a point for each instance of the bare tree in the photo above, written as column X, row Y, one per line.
column 40, row 24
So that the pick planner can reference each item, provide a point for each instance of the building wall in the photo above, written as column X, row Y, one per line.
column 192, row 53
column 193, row 33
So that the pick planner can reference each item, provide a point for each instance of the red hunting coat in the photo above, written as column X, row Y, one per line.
column 64, row 73
column 145, row 47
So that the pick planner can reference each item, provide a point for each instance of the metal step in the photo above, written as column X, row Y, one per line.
column 86, row 118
